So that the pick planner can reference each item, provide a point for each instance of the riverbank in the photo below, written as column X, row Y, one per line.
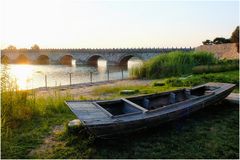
column 87, row 89
column 210, row 133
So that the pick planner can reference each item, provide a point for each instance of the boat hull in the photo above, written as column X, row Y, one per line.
column 116, row 117
column 109, row 130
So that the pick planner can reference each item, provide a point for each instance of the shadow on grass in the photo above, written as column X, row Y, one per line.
column 212, row 132
column 208, row 133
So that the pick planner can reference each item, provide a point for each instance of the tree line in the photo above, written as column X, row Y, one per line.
column 221, row 40
column 33, row 47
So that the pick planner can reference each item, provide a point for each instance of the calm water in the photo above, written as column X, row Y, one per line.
column 33, row 76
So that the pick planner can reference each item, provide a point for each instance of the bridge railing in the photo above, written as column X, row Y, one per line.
column 97, row 50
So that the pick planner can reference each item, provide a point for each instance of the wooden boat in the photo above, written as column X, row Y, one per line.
column 107, row 118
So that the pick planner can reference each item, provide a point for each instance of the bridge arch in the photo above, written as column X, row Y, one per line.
column 124, row 59
column 93, row 60
column 4, row 59
column 42, row 59
column 22, row 59
column 66, row 59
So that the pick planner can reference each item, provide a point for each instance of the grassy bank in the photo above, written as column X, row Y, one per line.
column 210, row 133
column 193, row 80
column 27, row 119
column 180, row 63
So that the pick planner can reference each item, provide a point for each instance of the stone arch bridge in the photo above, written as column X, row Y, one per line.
column 82, row 56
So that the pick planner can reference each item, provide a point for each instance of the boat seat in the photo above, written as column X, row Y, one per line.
column 208, row 92
column 172, row 98
column 146, row 103
column 187, row 93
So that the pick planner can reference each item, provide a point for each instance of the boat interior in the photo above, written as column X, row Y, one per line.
column 119, row 107
column 136, row 105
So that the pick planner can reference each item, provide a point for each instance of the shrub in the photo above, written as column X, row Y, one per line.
column 174, row 82
column 128, row 92
column 214, row 68
column 158, row 84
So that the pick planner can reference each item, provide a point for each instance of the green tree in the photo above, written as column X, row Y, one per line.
column 235, row 35
column 11, row 47
column 35, row 47
column 207, row 42
column 221, row 40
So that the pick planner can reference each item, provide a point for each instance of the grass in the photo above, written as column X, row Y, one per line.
column 111, row 92
column 210, row 133
column 214, row 68
column 172, row 64
column 225, row 77
column 30, row 135
column 27, row 120
column 215, row 133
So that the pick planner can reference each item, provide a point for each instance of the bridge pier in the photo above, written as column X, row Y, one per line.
column 78, row 62
column 112, row 63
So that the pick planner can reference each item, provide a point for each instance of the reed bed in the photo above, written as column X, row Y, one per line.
column 172, row 64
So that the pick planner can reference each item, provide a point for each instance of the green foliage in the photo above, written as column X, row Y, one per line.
column 158, row 83
column 129, row 92
column 20, row 106
column 209, row 133
column 207, row 42
column 228, row 61
column 111, row 92
column 172, row 64
column 11, row 47
column 221, row 40
column 25, row 118
column 217, row 40
column 35, row 47
column 224, row 77
column 214, row 68
column 30, row 135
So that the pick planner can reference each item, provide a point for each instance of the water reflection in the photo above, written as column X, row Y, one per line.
column 134, row 62
column 73, row 62
column 101, row 68
column 22, row 74
column 33, row 76
column 101, row 65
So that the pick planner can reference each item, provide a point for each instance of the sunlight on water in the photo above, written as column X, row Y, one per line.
column 22, row 74
column 134, row 62
column 73, row 62
column 102, row 67
column 33, row 76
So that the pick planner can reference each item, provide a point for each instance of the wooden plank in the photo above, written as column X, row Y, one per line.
column 87, row 112
column 233, row 98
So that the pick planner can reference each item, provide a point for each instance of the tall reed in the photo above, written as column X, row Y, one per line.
column 172, row 64
column 18, row 106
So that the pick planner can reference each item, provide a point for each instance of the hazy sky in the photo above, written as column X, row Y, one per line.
column 115, row 24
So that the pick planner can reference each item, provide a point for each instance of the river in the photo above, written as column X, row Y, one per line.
column 30, row 76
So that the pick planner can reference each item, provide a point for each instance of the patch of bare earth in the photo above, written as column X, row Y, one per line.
column 49, row 143
column 87, row 89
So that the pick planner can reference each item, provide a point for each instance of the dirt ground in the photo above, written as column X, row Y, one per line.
column 77, row 90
